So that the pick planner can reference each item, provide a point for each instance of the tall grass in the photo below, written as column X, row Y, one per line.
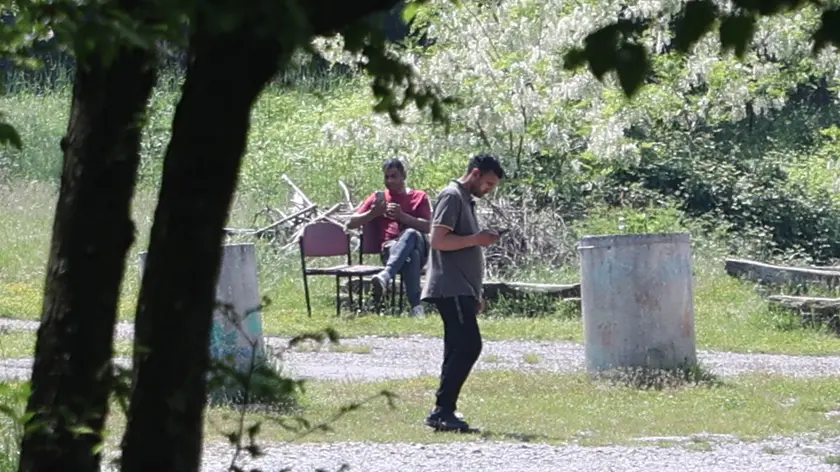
column 287, row 136
column 8, row 451
column 11, row 431
column 284, row 139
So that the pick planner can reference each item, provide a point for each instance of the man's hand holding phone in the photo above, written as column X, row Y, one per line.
column 486, row 237
column 394, row 211
column 380, row 206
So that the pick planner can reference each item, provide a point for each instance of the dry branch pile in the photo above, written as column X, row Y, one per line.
column 283, row 228
column 533, row 237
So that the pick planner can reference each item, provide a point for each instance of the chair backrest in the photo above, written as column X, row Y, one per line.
column 324, row 239
column 370, row 238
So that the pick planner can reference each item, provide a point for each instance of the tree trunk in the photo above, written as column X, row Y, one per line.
column 92, row 231
column 177, row 297
column 225, row 75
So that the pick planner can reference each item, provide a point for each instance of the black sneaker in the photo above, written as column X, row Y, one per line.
column 440, row 420
column 379, row 284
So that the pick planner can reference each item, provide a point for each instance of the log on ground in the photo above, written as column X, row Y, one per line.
column 779, row 275
column 828, row 268
column 824, row 305
column 517, row 290
column 813, row 311
column 509, row 290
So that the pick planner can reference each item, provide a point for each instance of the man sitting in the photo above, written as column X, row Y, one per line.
column 401, row 216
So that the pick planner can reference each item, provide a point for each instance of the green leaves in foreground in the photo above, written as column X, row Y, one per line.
column 395, row 85
column 615, row 47
column 9, row 136
column 735, row 33
column 610, row 48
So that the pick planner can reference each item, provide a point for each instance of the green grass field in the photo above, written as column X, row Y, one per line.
column 288, row 137
column 322, row 130
column 21, row 344
column 546, row 408
column 729, row 314
column 562, row 408
column 12, row 398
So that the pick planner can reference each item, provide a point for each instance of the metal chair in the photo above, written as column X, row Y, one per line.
column 369, row 244
column 327, row 239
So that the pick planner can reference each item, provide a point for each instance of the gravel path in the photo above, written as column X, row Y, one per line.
column 124, row 330
column 377, row 358
column 413, row 356
column 20, row 369
column 372, row 358
column 783, row 454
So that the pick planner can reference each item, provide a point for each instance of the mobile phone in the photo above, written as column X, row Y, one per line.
column 380, row 196
column 502, row 231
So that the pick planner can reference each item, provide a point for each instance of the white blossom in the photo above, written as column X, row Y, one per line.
column 504, row 61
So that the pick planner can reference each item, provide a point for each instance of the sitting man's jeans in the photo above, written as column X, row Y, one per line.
column 406, row 255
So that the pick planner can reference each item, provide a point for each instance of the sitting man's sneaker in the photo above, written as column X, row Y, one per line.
column 379, row 283
column 440, row 420
column 418, row 311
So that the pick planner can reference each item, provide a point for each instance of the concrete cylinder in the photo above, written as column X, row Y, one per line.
column 637, row 300
column 237, row 327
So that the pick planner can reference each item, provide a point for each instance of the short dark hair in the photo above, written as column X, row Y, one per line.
column 394, row 163
column 486, row 163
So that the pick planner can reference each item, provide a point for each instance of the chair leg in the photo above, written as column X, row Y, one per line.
column 402, row 285
column 361, row 294
column 337, row 296
column 350, row 292
column 377, row 303
column 393, row 294
column 306, row 291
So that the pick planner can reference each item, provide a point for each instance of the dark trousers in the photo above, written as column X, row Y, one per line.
column 461, row 347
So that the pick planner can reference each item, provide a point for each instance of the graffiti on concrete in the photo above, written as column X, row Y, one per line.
column 228, row 343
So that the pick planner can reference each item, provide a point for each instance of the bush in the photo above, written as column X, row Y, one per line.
column 734, row 140
column 754, row 195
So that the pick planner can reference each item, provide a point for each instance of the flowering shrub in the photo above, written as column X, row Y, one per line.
column 568, row 137
column 503, row 60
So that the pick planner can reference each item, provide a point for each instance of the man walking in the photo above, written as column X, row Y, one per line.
column 402, row 218
column 454, row 282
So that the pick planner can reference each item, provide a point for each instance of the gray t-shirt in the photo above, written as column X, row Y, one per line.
column 455, row 273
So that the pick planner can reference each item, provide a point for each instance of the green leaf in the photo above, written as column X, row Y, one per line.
column 81, row 430
column 697, row 19
column 10, row 412
column 36, row 425
column 254, row 430
column 410, row 11
column 98, row 448
column 355, row 37
column 736, row 31
column 601, row 50
column 574, row 59
column 9, row 135
column 254, row 451
column 828, row 32
column 632, row 66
